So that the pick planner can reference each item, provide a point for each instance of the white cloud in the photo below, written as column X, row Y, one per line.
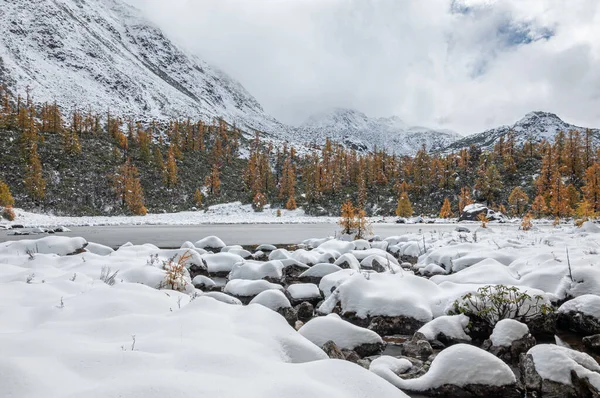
column 460, row 64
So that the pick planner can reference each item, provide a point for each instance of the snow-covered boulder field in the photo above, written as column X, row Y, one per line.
column 456, row 313
column 68, row 329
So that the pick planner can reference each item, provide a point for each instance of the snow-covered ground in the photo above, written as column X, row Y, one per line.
column 81, row 319
column 229, row 213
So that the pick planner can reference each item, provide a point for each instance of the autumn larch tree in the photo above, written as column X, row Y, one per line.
column 171, row 168
column 198, row 198
column 213, row 181
column 34, row 180
column 6, row 198
column 127, row 186
column 539, row 207
column 518, row 201
column 361, row 224
column 404, row 208
column 591, row 189
column 347, row 216
column 464, row 199
column 446, row 211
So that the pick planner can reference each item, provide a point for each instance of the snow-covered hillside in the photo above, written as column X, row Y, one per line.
column 535, row 126
column 102, row 54
column 359, row 131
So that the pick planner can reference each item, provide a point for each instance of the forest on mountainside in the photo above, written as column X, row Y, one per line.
column 88, row 163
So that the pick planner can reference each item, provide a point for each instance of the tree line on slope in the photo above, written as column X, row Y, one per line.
column 164, row 159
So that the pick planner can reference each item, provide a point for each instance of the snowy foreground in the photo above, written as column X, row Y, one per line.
column 211, row 320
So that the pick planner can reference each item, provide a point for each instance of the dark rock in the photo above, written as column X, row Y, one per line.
column 365, row 350
column 511, row 354
column 535, row 386
column 292, row 271
column 579, row 323
column 460, row 228
column 473, row 390
column 592, row 343
column 387, row 326
column 543, row 327
column 351, row 356
column 479, row 330
column 417, row 347
column 199, row 269
column 289, row 314
column 333, row 351
column 305, row 311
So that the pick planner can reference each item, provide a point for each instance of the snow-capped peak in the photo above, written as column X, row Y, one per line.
column 534, row 126
column 357, row 130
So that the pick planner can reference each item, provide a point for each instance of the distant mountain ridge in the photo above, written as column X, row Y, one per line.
column 534, row 126
column 357, row 130
column 104, row 55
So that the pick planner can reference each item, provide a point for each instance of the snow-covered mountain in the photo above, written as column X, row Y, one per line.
column 357, row 130
column 102, row 54
column 535, row 126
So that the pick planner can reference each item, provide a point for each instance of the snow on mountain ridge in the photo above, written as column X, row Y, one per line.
column 101, row 54
column 534, row 126
column 357, row 130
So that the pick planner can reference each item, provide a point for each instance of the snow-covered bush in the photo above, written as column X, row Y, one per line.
column 176, row 275
column 493, row 303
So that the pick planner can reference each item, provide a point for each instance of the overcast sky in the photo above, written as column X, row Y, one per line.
column 465, row 65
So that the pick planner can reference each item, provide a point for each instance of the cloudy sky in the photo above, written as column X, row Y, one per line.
column 465, row 65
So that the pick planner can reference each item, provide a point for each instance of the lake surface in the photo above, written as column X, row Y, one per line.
column 241, row 234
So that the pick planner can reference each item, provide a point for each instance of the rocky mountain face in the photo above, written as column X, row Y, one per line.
column 535, row 126
column 357, row 130
column 101, row 54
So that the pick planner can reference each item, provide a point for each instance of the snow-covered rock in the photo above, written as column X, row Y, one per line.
column 348, row 261
column 507, row 331
column 345, row 335
column 213, row 243
column 555, row 371
column 447, row 329
column 98, row 249
column 456, row 370
column 315, row 273
column 304, row 292
column 203, row 283
column 581, row 314
column 245, row 290
column 221, row 264
column 272, row 299
column 59, row 245
column 254, row 270
column 509, row 340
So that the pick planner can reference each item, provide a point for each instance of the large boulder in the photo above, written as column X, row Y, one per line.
column 509, row 340
column 472, row 212
column 447, row 329
column 345, row 335
column 458, row 371
column 417, row 347
column 552, row 371
column 592, row 343
column 581, row 315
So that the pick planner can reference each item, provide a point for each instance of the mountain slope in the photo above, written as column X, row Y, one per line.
column 535, row 126
column 101, row 54
column 357, row 130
